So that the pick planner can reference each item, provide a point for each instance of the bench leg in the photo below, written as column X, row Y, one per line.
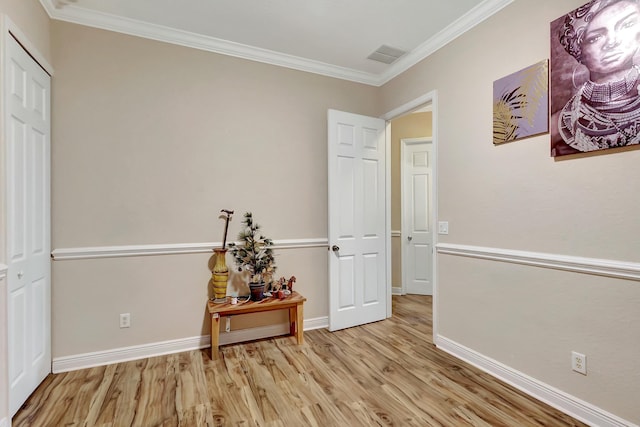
column 215, row 335
column 292, row 321
column 299, row 324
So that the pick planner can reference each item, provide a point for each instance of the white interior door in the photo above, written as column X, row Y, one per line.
column 417, row 216
column 357, row 220
column 27, row 118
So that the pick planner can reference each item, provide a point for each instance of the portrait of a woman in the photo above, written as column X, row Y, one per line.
column 595, row 89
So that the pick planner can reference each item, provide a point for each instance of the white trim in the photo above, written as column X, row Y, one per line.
column 387, row 218
column 301, row 243
column 396, row 290
column 124, row 354
column 250, row 334
column 17, row 34
column 168, row 249
column 463, row 24
column 432, row 99
column 600, row 267
column 4, row 422
column 78, row 15
column 565, row 402
column 410, row 106
column 317, row 323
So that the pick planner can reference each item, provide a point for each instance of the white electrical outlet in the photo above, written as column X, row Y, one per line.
column 125, row 320
column 579, row 362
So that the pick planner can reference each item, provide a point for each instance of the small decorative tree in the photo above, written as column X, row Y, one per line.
column 253, row 253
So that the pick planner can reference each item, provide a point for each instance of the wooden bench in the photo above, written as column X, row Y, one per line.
column 294, row 303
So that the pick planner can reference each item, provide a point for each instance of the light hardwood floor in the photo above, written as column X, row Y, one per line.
column 382, row 374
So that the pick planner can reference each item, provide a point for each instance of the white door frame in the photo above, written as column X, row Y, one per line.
column 403, row 248
column 427, row 98
column 9, row 29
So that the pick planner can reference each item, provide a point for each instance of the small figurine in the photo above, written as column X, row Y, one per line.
column 292, row 280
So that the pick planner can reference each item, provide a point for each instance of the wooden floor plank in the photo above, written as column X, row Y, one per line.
column 387, row 373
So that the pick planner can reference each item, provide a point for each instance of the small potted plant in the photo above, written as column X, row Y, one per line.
column 253, row 253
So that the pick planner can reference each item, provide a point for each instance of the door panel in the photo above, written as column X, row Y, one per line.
column 371, row 276
column 17, row 302
column 39, row 232
column 28, row 222
column 357, row 221
column 417, row 217
column 16, row 191
column 346, row 198
column 348, row 286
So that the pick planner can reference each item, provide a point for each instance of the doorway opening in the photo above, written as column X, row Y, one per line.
column 421, row 117
column 411, row 202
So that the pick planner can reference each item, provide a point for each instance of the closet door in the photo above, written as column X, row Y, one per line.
column 27, row 126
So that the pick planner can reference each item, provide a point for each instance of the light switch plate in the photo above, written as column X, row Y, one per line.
column 443, row 227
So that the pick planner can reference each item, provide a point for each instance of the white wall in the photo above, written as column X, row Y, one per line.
column 151, row 141
column 515, row 197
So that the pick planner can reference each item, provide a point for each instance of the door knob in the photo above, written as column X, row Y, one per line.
column 335, row 248
column 409, row 238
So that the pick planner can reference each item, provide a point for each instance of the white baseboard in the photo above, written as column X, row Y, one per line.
column 116, row 355
column 249, row 334
column 396, row 290
column 317, row 323
column 566, row 403
column 124, row 354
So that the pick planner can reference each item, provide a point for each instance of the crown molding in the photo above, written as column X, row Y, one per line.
column 463, row 24
column 77, row 15
column 64, row 11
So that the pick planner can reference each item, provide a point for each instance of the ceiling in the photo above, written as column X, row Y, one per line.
column 328, row 37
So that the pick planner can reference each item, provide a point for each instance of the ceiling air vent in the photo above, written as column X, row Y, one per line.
column 386, row 54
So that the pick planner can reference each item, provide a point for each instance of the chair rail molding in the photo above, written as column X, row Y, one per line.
column 92, row 252
column 594, row 266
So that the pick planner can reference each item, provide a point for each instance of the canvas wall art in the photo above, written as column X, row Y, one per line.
column 595, row 77
column 521, row 104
